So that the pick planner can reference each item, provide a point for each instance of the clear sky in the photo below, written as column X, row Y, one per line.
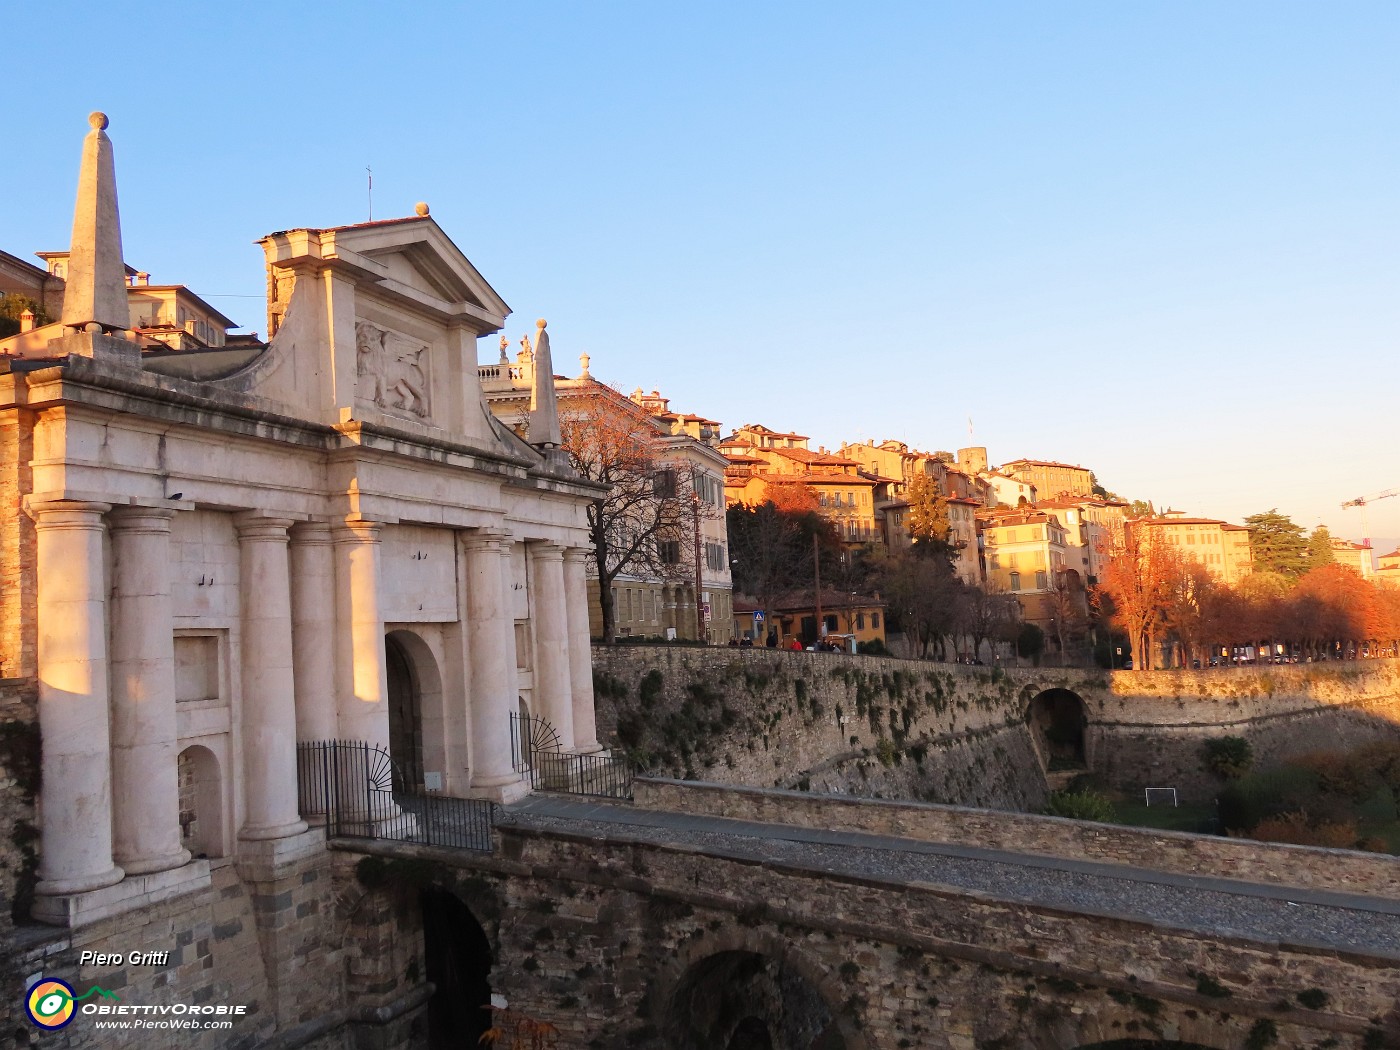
column 1157, row 239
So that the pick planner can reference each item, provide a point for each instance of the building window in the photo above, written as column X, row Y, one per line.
column 875, row 621
column 860, row 621
column 664, row 483
column 670, row 552
column 1015, row 581
column 1040, row 581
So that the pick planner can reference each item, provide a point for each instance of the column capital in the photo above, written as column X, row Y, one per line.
column 577, row 554
column 356, row 531
column 313, row 532
column 546, row 549
column 254, row 525
column 485, row 539
column 152, row 520
column 59, row 514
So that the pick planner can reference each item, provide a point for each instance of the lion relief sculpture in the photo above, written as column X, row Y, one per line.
column 391, row 371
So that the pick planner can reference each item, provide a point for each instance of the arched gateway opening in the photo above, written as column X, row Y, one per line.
column 742, row 1000
column 415, row 706
column 1058, row 717
column 458, row 962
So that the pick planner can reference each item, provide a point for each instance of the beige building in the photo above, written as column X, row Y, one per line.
column 1092, row 527
column 1221, row 547
column 1051, row 478
column 656, row 596
column 331, row 539
column 1355, row 556
column 1388, row 569
column 1024, row 551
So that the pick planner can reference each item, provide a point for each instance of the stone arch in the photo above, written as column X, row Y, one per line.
column 1058, row 718
column 416, row 724
column 748, row 990
column 201, row 802
column 458, row 958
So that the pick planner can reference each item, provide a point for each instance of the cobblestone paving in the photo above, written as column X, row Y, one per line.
column 1269, row 913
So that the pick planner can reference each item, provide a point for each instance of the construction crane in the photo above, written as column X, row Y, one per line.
column 1361, row 502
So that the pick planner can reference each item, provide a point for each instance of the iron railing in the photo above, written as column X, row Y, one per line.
column 536, row 754
column 360, row 792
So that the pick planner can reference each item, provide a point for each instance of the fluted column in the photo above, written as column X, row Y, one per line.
column 145, row 743
column 580, row 649
column 313, row 630
column 76, row 842
column 362, row 674
column 491, row 643
column 548, row 609
column 269, row 688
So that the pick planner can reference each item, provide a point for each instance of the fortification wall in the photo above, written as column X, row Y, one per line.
column 877, row 727
column 866, row 726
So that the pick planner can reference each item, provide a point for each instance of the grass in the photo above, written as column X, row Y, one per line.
column 1189, row 816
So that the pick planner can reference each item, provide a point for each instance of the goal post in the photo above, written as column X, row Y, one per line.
column 1162, row 796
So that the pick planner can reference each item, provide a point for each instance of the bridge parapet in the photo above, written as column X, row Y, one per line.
column 1336, row 870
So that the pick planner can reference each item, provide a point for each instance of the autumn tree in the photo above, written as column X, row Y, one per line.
column 928, row 511
column 1138, row 579
column 923, row 596
column 1320, row 548
column 1066, row 605
column 985, row 614
column 1276, row 544
column 644, row 523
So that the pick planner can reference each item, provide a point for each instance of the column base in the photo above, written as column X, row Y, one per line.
column 255, row 833
column 503, row 792
column 590, row 748
column 264, row 858
column 133, row 893
column 150, row 865
column 67, row 887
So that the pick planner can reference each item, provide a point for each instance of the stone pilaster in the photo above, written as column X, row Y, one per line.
column 549, row 610
column 269, row 689
column 362, row 677
column 76, row 798
column 313, row 630
column 491, row 651
column 145, row 745
column 580, row 649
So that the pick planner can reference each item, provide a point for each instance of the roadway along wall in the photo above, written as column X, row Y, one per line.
column 1323, row 869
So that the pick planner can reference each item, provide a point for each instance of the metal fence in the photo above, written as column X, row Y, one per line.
column 360, row 792
column 536, row 753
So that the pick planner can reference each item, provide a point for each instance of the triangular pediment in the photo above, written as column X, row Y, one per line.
column 417, row 256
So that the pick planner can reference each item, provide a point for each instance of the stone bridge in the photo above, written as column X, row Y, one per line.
column 706, row 917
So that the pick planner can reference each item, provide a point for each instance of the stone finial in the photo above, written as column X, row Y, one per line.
column 94, row 297
column 583, row 360
column 421, row 209
column 544, row 406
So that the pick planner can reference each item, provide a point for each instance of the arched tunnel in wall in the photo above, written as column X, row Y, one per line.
column 743, row 1000
column 1058, row 718
column 458, row 961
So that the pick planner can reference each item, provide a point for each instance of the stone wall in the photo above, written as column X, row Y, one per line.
column 959, row 735
column 864, row 725
column 19, row 784
column 609, row 941
column 1324, row 869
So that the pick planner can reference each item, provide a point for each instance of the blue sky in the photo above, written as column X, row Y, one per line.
column 1156, row 239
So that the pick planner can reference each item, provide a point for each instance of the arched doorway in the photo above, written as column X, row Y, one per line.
column 405, row 711
column 744, row 1000
column 201, row 802
column 1058, row 718
column 458, row 961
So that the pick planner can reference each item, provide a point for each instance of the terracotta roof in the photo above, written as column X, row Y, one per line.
column 1044, row 463
column 1184, row 521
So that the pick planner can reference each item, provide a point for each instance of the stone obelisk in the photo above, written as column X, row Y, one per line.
column 544, row 405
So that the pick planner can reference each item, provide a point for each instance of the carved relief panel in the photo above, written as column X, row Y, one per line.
column 393, row 372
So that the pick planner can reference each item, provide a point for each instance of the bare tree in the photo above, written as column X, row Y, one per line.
column 644, row 525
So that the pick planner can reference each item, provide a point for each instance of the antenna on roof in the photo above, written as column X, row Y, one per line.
column 370, row 173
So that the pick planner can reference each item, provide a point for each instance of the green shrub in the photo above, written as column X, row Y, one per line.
column 1257, row 796
column 1228, row 757
column 1080, row 805
column 874, row 647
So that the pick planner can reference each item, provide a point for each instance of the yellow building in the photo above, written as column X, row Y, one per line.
column 1221, row 547
column 1091, row 526
column 760, row 458
column 1024, row 551
column 1051, row 478
column 1388, row 569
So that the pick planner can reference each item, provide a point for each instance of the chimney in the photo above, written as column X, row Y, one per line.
column 26, row 321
